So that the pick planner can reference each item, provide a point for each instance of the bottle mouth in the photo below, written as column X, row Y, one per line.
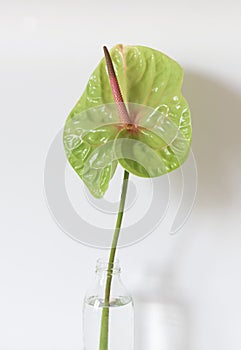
column 102, row 265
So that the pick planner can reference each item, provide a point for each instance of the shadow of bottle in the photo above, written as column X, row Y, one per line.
column 161, row 316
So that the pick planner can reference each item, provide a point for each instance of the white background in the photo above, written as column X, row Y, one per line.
column 48, row 50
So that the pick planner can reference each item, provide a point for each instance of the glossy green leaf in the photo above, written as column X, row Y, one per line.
column 151, row 86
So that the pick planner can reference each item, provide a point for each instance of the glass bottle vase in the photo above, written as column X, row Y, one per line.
column 120, row 333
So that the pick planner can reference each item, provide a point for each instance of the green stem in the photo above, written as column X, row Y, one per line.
column 104, row 332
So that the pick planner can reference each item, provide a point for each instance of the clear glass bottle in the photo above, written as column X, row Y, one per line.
column 121, row 311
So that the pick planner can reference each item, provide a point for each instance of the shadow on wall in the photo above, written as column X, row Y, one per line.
column 164, row 315
column 216, row 119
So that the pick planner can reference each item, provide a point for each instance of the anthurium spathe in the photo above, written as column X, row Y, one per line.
column 147, row 131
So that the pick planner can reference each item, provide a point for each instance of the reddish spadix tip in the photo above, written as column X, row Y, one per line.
column 115, row 87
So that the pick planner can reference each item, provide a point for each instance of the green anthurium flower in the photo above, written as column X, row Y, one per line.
column 148, row 135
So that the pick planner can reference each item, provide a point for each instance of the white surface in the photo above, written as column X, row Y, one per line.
column 48, row 50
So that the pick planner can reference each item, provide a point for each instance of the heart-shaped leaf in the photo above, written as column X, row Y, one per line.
column 158, row 137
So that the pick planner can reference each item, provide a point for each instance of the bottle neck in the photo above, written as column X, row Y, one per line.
column 103, row 268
